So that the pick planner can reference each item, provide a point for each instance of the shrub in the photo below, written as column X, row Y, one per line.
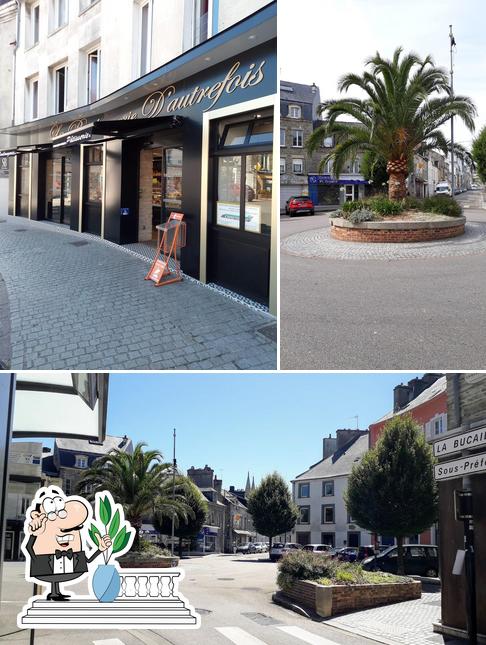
column 411, row 202
column 349, row 207
column 361, row 215
column 304, row 565
column 149, row 549
column 442, row 204
column 384, row 206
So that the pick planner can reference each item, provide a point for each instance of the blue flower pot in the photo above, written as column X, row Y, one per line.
column 106, row 583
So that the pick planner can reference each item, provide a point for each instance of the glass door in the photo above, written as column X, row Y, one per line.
column 23, row 185
column 58, row 189
column 93, row 189
column 172, row 196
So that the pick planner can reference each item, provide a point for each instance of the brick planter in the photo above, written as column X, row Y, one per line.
column 340, row 599
column 401, row 231
column 168, row 562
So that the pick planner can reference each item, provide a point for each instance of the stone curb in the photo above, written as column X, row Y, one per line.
column 340, row 222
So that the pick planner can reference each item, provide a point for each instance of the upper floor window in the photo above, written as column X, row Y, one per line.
column 94, row 64
column 32, row 102
column 282, row 165
column 328, row 142
column 201, row 25
column 304, row 515
column 59, row 14
column 282, row 137
column 295, row 111
column 328, row 489
column 32, row 24
column 81, row 461
column 145, row 38
column 85, row 4
column 304, row 490
column 297, row 138
column 60, row 79
column 298, row 165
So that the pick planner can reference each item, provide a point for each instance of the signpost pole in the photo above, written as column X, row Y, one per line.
column 470, row 566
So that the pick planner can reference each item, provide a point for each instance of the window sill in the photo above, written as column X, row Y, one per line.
column 57, row 30
column 90, row 6
column 30, row 47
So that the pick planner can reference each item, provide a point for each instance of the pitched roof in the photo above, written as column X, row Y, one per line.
column 438, row 387
column 339, row 463
column 94, row 447
column 297, row 92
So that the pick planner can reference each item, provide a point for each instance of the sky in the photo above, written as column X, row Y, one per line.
column 237, row 423
column 320, row 40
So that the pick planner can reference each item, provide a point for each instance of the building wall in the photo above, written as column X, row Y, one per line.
column 229, row 12
column 8, row 13
column 340, row 527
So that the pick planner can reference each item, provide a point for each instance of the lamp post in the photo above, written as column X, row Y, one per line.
column 453, row 44
column 174, row 466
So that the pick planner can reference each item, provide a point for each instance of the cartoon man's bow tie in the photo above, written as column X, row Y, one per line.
column 64, row 554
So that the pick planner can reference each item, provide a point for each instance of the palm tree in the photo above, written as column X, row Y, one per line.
column 141, row 482
column 407, row 100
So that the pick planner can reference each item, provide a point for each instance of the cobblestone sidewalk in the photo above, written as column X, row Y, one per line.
column 79, row 303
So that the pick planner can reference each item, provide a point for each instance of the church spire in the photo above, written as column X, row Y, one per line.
column 248, row 486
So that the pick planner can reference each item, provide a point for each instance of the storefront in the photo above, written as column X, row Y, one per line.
column 325, row 190
column 196, row 135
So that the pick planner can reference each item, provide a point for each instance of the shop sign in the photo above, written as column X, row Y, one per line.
column 228, row 214
column 473, row 465
column 167, row 100
column 466, row 441
column 4, row 167
column 7, row 153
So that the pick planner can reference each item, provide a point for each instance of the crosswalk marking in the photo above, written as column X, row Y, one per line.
column 304, row 635
column 109, row 641
column 239, row 636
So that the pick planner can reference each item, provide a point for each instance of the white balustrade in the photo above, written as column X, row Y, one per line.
column 148, row 583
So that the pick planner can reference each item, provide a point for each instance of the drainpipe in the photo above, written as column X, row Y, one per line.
column 14, row 66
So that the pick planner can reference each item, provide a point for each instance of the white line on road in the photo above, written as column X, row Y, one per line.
column 239, row 636
column 304, row 635
column 109, row 641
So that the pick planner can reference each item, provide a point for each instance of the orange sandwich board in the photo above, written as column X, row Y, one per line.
column 173, row 238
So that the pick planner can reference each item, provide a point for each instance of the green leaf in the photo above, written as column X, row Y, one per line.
column 105, row 510
column 123, row 544
column 118, row 541
column 115, row 523
column 93, row 533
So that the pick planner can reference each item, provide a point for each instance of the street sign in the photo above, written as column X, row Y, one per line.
column 472, row 465
column 465, row 441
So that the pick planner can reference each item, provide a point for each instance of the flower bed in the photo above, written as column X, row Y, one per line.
column 399, row 229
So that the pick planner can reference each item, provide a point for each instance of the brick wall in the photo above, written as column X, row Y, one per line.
column 145, row 200
column 383, row 235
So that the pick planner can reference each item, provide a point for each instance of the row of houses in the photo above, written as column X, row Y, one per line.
column 33, row 465
column 300, row 172
column 319, row 491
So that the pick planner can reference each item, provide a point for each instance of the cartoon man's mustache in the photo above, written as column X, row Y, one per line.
column 74, row 528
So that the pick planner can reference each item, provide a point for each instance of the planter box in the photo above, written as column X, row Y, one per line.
column 168, row 562
column 397, row 231
column 339, row 599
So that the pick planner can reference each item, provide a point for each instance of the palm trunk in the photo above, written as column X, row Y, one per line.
column 397, row 185
column 400, row 564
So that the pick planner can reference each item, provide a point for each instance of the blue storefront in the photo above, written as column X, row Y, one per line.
column 327, row 190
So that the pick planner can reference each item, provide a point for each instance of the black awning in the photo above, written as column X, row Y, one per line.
column 131, row 127
column 12, row 152
column 9, row 153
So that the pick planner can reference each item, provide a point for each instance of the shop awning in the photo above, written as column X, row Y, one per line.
column 25, row 149
column 240, row 532
column 129, row 127
column 61, row 405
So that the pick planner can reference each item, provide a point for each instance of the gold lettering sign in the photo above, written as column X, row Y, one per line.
column 60, row 128
column 165, row 99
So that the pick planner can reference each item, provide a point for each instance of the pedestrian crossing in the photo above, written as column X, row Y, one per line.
column 239, row 636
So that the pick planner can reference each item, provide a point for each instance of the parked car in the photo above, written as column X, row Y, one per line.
column 419, row 560
column 318, row 548
column 260, row 547
column 243, row 548
column 299, row 204
column 474, row 186
column 366, row 552
column 443, row 188
column 279, row 549
column 348, row 554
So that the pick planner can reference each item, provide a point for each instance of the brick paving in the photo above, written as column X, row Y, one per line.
column 88, row 307
column 403, row 623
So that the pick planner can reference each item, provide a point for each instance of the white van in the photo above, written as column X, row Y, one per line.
column 443, row 188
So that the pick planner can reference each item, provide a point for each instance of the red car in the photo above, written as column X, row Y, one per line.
column 299, row 204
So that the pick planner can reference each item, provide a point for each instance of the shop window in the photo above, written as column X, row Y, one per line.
column 261, row 132
column 295, row 111
column 304, row 490
column 304, row 514
column 257, row 132
column 297, row 138
column 328, row 489
column 327, row 514
column 94, row 172
column 93, row 79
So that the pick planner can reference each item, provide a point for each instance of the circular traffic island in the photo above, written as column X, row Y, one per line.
column 406, row 227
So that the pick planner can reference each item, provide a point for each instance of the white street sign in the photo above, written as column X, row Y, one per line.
column 459, row 442
column 472, row 465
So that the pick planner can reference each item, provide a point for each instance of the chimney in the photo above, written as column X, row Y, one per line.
column 218, row 485
column 329, row 445
column 344, row 435
column 401, row 397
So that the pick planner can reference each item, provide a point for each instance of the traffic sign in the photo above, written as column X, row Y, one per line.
column 472, row 465
column 459, row 442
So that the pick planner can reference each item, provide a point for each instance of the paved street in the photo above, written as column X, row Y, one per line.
column 360, row 309
column 71, row 301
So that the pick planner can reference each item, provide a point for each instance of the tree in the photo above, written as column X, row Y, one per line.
column 400, row 115
column 374, row 171
column 271, row 507
column 189, row 527
column 479, row 154
column 141, row 482
column 392, row 490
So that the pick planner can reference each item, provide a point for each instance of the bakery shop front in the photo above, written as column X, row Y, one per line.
column 196, row 136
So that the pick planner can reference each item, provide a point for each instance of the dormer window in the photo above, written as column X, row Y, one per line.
column 81, row 461
column 295, row 111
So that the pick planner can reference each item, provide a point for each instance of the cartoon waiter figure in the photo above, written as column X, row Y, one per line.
column 54, row 544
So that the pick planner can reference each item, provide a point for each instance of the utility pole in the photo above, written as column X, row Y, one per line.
column 174, row 467
column 453, row 44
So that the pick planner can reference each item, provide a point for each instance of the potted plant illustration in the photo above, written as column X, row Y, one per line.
column 106, row 579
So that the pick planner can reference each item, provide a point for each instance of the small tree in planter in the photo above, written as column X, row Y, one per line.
column 271, row 507
column 106, row 579
column 392, row 490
